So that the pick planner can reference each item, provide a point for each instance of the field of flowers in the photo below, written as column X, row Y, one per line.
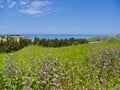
column 81, row 67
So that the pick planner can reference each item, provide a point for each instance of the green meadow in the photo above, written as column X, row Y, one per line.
column 76, row 67
column 59, row 44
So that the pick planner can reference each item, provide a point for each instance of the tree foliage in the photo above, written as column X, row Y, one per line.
column 11, row 44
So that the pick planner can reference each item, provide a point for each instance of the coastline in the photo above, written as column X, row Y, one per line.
column 61, row 36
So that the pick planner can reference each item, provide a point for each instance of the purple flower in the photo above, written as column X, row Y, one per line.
column 106, row 64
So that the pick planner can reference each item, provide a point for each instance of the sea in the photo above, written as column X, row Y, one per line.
column 60, row 36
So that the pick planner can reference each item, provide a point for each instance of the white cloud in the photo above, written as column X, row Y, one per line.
column 39, row 3
column 31, row 11
column 34, row 7
column 23, row 3
column 30, row 7
column 12, row 4
column 1, row 6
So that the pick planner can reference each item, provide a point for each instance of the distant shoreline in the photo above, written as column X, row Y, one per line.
column 58, row 36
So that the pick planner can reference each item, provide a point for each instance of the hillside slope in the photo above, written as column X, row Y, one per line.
column 87, row 66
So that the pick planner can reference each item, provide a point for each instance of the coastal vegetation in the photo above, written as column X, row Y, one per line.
column 76, row 67
column 15, row 43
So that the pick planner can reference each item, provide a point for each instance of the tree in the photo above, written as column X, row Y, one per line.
column 36, row 41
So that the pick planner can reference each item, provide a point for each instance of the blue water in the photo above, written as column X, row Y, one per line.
column 60, row 36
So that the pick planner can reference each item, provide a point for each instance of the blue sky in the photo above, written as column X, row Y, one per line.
column 60, row 16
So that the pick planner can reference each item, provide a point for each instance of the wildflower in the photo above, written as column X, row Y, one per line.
column 107, row 52
column 44, row 72
column 106, row 64
column 24, row 83
column 56, row 84
column 61, row 89
column 54, row 79
column 23, row 88
column 17, row 71
column 56, row 76
column 29, row 88
column 54, row 69
column 102, row 80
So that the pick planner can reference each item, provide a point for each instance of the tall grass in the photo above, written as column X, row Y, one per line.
column 82, row 67
column 114, row 38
